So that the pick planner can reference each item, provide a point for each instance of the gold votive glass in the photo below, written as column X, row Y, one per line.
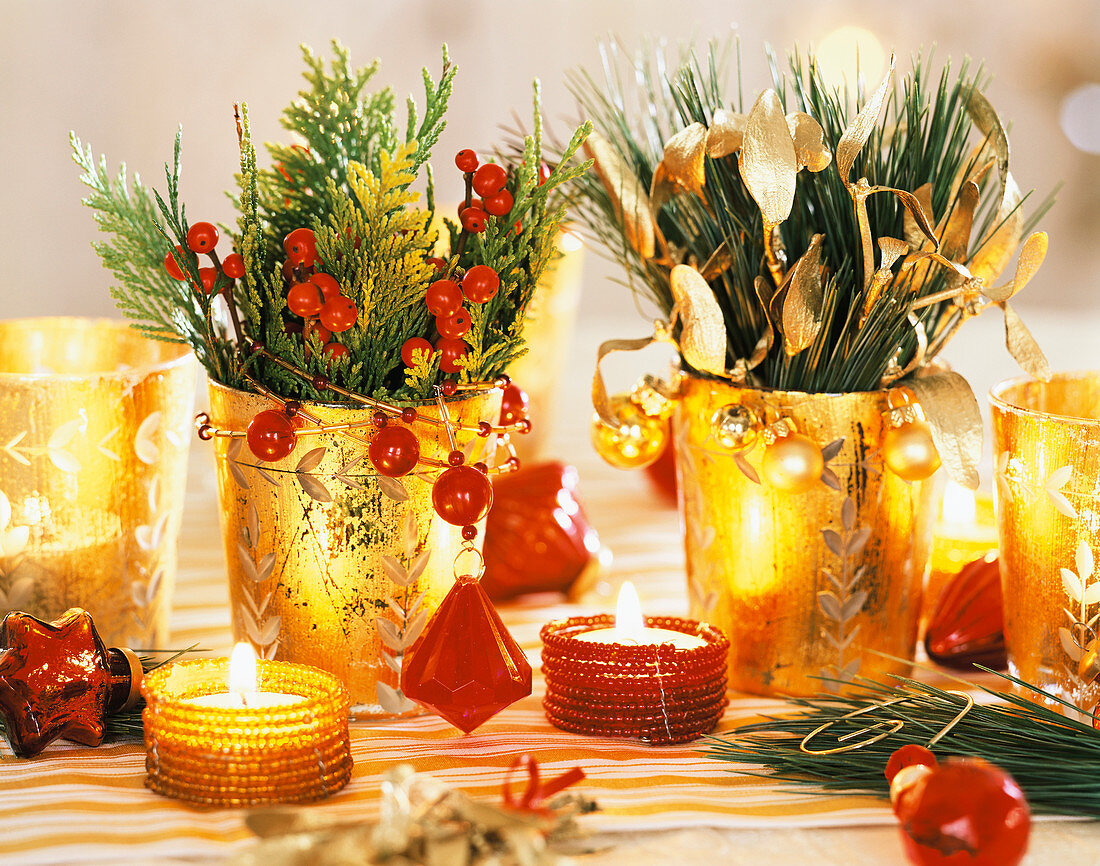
column 95, row 424
column 965, row 532
column 241, row 756
column 1047, row 439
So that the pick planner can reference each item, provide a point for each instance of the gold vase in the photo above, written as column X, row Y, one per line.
column 95, row 423
column 330, row 564
column 807, row 585
column 1047, row 441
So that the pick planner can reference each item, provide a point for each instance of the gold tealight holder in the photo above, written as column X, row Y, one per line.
column 291, row 746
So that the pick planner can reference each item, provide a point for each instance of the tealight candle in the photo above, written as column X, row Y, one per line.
column 630, row 629
column 243, row 691
column 965, row 533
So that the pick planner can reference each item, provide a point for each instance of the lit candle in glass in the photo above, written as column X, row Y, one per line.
column 243, row 689
column 965, row 533
column 630, row 628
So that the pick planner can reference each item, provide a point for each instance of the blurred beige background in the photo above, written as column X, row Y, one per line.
column 124, row 74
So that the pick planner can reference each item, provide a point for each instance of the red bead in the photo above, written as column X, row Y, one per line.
column 450, row 351
column 502, row 381
column 449, row 388
column 499, row 204
column 439, row 264
column 408, row 415
column 513, row 405
column 327, row 284
column 473, row 220
column 339, row 314
column 443, row 298
column 206, row 432
column 462, row 495
column 335, row 352
column 480, row 284
column 489, row 179
column 202, row 237
column 173, row 266
column 414, row 344
column 456, row 458
column 466, row 666
column 466, row 160
column 233, row 265
column 482, row 468
column 454, row 326
column 320, row 382
column 270, row 435
column 300, row 246
column 379, row 418
column 484, row 428
column 469, row 533
column 256, row 346
column 305, row 300
column 394, row 451
column 209, row 277
column 908, row 756
column 292, row 407
column 523, row 426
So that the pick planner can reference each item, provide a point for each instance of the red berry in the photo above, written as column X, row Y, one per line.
column 440, row 264
column 339, row 314
column 455, row 326
column 475, row 204
column 513, row 405
column 327, row 284
column 336, row 352
column 473, row 220
column 480, row 284
column 466, row 160
column 270, row 435
column 414, row 344
column 172, row 264
column 544, row 173
column 209, row 277
column 443, row 298
column 489, row 179
column 305, row 299
column 292, row 327
column 519, row 227
column 907, row 756
column 393, row 451
column 314, row 330
column 451, row 351
column 301, row 246
column 499, row 204
column 202, row 237
column 233, row 265
column 462, row 495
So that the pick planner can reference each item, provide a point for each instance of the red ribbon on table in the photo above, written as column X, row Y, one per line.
column 536, row 794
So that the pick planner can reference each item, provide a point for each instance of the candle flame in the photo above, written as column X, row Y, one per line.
column 628, row 613
column 242, row 672
column 959, row 504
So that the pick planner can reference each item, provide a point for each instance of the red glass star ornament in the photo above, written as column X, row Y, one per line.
column 55, row 681
column 466, row 666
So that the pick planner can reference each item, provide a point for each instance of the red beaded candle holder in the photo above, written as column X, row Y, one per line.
column 657, row 693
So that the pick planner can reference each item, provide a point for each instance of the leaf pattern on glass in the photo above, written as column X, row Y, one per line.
column 1054, row 484
column 56, row 447
column 258, row 623
column 1082, row 587
column 144, row 445
column 843, row 601
column 12, row 449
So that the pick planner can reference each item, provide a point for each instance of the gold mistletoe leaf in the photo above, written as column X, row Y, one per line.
column 856, row 135
column 915, row 210
column 726, row 133
column 956, row 234
column 681, row 167
column 1023, row 346
column 955, row 421
column 809, row 142
column 989, row 124
column 914, row 234
column 627, row 194
column 703, row 332
column 992, row 253
column 768, row 163
column 765, row 291
column 802, row 306
column 1031, row 258
column 892, row 249
column 719, row 260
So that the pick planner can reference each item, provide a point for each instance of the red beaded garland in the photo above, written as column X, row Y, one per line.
column 270, row 435
column 469, row 533
column 461, row 495
column 513, row 404
column 394, row 451
column 448, row 387
column 408, row 415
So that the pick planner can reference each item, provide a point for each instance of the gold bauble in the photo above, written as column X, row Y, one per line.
column 636, row 442
column 734, row 427
column 647, row 397
column 910, row 452
column 792, row 463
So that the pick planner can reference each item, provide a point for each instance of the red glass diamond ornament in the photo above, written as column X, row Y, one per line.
column 466, row 666
column 58, row 680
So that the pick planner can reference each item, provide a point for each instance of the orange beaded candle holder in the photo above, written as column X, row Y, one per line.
column 290, row 746
column 656, row 691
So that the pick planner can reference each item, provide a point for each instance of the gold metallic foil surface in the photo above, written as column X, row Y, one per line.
column 330, row 564
column 805, row 585
column 95, row 423
column 1047, row 441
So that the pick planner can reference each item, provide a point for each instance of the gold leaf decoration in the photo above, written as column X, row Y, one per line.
column 703, row 331
column 809, row 142
column 681, row 168
column 719, row 260
column 892, row 250
column 765, row 291
column 991, row 257
column 956, row 423
column 913, row 232
column 726, row 133
column 856, row 135
column 1031, row 258
column 1023, row 347
column 626, row 191
column 989, row 124
column 601, row 402
column 802, row 306
column 768, row 164
column 956, row 234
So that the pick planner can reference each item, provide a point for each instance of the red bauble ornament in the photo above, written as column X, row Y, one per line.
column 443, row 298
column 514, row 404
column 466, row 666
column 339, row 314
column 305, row 299
column 58, row 680
column 270, row 435
column 537, row 538
column 233, row 265
column 394, row 450
column 455, row 326
column 327, row 284
column 462, row 495
column 967, row 624
column 480, row 284
column 414, row 344
column 202, row 237
column 450, row 352
column 965, row 811
column 489, row 179
column 300, row 247
column 909, row 756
